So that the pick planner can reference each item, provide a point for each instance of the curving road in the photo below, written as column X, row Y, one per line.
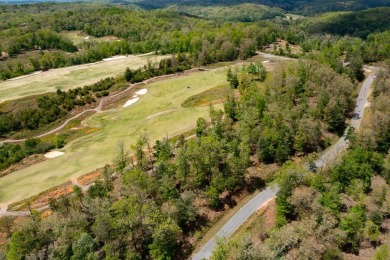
column 236, row 221
column 258, row 201
column 331, row 154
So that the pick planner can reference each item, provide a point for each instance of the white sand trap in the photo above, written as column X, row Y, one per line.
column 115, row 58
column 367, row 104
column 141, row 91
column 266, row 61
column 86, row 38
column 131, row 101
column 53, row 154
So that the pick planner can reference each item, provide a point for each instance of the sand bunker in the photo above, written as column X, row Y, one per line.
column 115, row 58
column 131, row 101
column 53, row 154
column 141, row 91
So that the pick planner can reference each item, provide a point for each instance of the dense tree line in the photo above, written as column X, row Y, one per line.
column 40, row 39
column 13, row 153
column 279, row 119
column 305, row 7
column 53, row 107
column 236, row 13
column 175, row 64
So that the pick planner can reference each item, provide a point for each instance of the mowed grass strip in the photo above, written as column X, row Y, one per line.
column 70, row 77
column 93, row 151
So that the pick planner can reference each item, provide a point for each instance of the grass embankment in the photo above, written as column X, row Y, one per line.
column 212, row 96
column 69, row 77
column 93, row 151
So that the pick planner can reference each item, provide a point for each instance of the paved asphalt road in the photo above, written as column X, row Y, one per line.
column 236, row 221
column 254, row 204
column 342, row 144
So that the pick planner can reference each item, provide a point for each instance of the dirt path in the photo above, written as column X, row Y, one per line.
column 83, row 187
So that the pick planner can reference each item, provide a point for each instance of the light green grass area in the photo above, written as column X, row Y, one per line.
column 93, row 151
column 70, row 77
column 294, row 16
column 78, row 37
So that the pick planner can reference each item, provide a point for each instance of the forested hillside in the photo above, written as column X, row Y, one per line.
column 306, row 7
column 237, row 13
column 356, row 24
column 162, row 31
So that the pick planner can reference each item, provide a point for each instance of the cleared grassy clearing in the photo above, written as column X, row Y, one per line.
column 70, row 77
column 78, row 37
column 98, row 148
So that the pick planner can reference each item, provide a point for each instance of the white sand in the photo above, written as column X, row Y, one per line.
column 53, row 154
column 266, row 61
column 141, row 91
column 135, row 96
column 131, row 101
column 115, row 58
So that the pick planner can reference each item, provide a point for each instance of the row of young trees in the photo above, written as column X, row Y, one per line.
column 177, row 63
column 53, row 107
column 14, row 153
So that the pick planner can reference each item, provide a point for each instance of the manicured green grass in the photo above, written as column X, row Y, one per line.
column 93, row 151
column 70, row 77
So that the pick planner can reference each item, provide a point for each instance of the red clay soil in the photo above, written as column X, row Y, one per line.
column 56, row 193
column 89, row 177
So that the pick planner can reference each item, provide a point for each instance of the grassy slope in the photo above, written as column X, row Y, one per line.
column 68, row 78
column 95, row 150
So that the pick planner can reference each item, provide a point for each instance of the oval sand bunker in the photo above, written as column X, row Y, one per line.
column 131, row 101
column 53, row 154
column 142, row 91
